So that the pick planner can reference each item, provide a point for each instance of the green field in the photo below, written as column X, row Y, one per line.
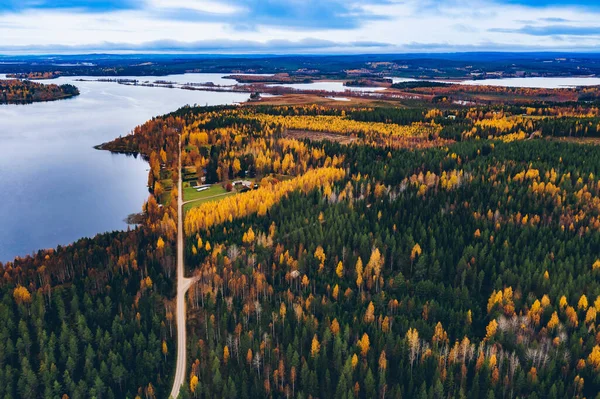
column 190, row 194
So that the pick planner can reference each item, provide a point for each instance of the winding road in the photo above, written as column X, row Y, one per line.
column 183, row 284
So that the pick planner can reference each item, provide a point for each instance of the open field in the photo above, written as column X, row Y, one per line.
column 302, row 99
column 191, row 194
column 319, row 136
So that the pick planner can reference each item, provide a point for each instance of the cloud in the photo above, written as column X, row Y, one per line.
column 305, row 46
column 554, row 20
column 296, row 25
column 206, row 6
column 553, row 30
column 492, row 47
column 204, row 46
column 331, row 14
column 305, row 14
column 75, row 5
column 556, row 3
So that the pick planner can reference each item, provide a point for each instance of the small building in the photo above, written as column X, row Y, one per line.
column 243, row 183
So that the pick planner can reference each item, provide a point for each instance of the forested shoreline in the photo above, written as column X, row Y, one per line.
column 15, row 91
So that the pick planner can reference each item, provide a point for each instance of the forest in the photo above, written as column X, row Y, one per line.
column 442, row 252
column 15, row 91
column 417, row 65
column 464, row 267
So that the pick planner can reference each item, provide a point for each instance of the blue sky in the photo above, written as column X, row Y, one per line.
column 297, row 26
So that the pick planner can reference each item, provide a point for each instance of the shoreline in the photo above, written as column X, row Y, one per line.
column 65, row 97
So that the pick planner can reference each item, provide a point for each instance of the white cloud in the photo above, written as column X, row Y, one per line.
column 404, row 25
column 208, row 6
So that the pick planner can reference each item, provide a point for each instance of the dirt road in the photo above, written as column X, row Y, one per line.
column 183, row 284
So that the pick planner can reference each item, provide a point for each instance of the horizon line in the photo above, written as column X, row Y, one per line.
column 293, row 54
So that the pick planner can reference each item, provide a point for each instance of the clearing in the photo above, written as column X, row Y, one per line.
column 191, row 194
column 319, row 136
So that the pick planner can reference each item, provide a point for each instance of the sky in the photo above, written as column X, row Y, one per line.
column 297, row 26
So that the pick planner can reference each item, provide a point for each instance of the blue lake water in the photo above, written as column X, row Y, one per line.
column 328, row 85
column 54, row 186
column 537, row 83
column 541, row 83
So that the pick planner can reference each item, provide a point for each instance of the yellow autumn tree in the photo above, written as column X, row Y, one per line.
column 491, row 329
column 440, row 336
column 374, row 265
column 193, row 383
column 165, row 349
column 590, row 316
column 553, row 322
column 385, row 324
column 370, row 313
column 364, row 344
column 572, row 316
column 282, row 310
column 336, row 291
column 359, row 272
column 563, row 302
column 594, row 358
column 21, row 295
column 320, row 256
column 382, row 361
column 416, row 251
column 339, row 270
column 335, row 327
column 412, row 337
column 315, row 346
column 225, row 354
column 354, row 361
column 305, row 281
column 248, row 237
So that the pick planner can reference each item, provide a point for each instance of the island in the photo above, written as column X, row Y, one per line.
column 34, row 75
column 16, row 91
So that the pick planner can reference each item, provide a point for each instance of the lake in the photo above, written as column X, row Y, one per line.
column 215, row 78
column 537, row 83
column 327, row 85
column 534, row 83
column 54, row 186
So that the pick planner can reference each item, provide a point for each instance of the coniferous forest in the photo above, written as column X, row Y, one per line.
column 377, row 253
